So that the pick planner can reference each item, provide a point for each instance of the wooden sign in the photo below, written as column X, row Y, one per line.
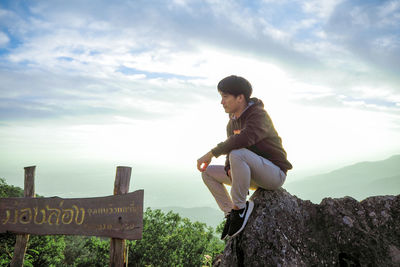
column 118, row 216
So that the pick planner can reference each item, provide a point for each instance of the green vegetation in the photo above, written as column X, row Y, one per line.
column 10, row 190
column 168, row 240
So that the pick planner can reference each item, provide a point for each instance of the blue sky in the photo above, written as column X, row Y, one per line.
column 134, row 82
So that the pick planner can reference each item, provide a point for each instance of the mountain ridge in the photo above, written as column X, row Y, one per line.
column 392, row 163
column 359, row 180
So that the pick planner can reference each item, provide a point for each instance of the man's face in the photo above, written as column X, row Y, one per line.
column 230, row 103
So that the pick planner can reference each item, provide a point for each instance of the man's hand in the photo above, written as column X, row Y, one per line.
column 203, row 162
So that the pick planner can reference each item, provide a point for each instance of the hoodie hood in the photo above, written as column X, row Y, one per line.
column 253, row 102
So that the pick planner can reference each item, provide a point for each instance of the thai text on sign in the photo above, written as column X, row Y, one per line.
column 117, row 216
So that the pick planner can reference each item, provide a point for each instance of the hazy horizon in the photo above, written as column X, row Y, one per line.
column 174, row 188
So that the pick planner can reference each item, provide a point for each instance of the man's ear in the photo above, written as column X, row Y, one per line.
column 241, row 98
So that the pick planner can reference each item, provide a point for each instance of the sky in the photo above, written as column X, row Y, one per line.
column 86, row 86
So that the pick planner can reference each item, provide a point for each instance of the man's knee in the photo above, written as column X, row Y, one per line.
column 236, row 154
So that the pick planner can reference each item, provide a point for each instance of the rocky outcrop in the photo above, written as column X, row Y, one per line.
column 284, row 230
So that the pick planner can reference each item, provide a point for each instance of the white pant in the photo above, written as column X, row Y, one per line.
column 248, row 170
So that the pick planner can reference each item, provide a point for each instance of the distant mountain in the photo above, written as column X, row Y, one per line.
column 359, row 181
column 210, row 216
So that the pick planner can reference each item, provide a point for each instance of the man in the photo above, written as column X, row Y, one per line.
column 255, row 156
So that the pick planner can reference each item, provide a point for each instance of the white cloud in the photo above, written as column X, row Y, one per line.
column 359, row 17
column 387, row 44
column 321, row 8
column 305, row 24
column 4, row 39
column 389, row 13
column 370, row 37
column 275, row 33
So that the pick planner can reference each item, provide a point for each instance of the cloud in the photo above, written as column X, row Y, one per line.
column 266, row 29
column 120, row 50
column 65, row 26
column 3, row 39
column 345, row 101
column 42, row 95
column 322, row 9
column 369, row 31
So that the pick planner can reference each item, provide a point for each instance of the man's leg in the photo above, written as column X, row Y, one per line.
column 249, row 169
column 215, row 178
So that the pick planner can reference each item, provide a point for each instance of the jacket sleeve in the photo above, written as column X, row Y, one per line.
column 257, row 127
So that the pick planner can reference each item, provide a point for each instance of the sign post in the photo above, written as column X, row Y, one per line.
column 22, row 239
column 119, row 216
column 117, row 245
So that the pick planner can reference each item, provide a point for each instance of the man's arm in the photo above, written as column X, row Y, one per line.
column 257, row 127
column 204, row 161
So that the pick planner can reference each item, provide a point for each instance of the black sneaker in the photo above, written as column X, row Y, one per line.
column 226, row 226
column 238, row 219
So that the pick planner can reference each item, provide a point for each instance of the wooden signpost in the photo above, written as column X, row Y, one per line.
column 113, row 216
column 22, row 239
column 119, row 216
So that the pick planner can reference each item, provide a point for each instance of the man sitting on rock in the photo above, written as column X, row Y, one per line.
column 255, row 156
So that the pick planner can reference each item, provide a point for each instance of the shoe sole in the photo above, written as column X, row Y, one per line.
column 225, row 237
column 249, row 211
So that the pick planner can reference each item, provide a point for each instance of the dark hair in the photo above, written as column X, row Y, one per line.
column 235, row 85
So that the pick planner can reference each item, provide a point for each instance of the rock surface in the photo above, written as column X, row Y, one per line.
column 284, row 230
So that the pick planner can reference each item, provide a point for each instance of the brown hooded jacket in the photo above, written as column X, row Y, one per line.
column 255, row 131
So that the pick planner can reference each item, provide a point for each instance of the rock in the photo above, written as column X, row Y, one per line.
column 284, row 230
